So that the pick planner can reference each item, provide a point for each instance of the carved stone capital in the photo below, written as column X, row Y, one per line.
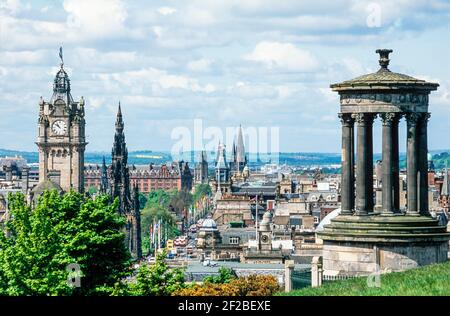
column 426, row 117
column 363, row 118
column 389, row 118
column 412, row 118
column 346, row 119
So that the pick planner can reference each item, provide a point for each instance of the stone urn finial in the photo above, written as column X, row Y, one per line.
column 384, row 57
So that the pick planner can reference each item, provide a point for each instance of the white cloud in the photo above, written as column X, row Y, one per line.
column 198, row 17
column 96, row 18
column 45, row 9
column 158, row 30
column 200, row 65
column 154, row 79
column 283, row 56
column 166, row 10
column 95, row 102
column 13, row 6
column 23, row 57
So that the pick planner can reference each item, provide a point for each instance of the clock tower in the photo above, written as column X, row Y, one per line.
column 265, row 232
column 61, row 136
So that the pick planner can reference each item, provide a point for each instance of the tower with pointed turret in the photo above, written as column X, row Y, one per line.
column 120, row 188
column 239, row 159
column 201, row 169
column 222, row 172
column 61, row 137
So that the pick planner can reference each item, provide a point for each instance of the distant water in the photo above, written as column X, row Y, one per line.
column 147, row 157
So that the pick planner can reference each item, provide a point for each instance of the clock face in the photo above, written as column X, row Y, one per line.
column 264, row 238
column 59, row 128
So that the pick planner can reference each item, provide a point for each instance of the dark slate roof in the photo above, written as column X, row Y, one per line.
column 267, row 188
column 46, row 185
column 281, row 220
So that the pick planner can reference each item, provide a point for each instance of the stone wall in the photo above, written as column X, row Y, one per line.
column 365, row 258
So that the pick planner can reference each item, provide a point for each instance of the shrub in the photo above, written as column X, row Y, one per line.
column 225, row 276
column 157, row 279
column 256, row 285
column 253, row 285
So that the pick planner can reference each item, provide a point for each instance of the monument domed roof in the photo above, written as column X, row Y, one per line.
column 384, row 78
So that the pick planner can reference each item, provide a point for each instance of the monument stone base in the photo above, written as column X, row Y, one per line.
column 362, row 245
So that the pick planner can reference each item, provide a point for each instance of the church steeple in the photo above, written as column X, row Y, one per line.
column 120, row 147
column 240, row 149
column 120, row 188
column 119, row 119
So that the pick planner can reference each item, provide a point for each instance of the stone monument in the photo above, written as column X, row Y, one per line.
column 362, row 240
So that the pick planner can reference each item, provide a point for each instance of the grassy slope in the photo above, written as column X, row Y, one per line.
column 430, row 280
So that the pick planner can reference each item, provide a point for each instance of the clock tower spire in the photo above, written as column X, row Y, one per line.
column 61, row 136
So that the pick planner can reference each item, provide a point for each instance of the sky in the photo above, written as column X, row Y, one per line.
column 265, row 64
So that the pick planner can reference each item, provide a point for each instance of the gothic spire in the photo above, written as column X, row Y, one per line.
column 119, row 167
column 120, row 146
column 221, row 158
column 119, row 119
column 240, row 149
column 204, row 157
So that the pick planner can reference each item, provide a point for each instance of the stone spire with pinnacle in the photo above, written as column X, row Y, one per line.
column 120, row 188
column 120, row 177
column 240, row 148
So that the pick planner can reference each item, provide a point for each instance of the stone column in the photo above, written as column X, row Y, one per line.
column 423, row 163
column 364, row 164
column 369, row 162
column 387, row 165
column 347, row 192
column 412, row 164
column 395, row 164
column 352, row 167
column 288, row 269
column 316, row 271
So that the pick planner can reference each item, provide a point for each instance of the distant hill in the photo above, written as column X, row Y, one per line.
column 142, row 157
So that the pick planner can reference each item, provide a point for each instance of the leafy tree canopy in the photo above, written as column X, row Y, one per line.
column 38, row 245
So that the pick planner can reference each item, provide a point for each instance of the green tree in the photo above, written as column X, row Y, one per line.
column 157, row 279
column 39, row 244
column 92, row 190
column 180, row 200
column 225, row 276
column 153, row 213
column 200, row 191
column 142, row 200
column 158, row 197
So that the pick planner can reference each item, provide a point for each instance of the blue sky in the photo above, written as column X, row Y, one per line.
column 254, row 62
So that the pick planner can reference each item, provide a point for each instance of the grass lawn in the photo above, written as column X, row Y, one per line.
column 430, row 280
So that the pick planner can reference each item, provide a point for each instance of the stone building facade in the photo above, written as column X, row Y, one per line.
column 148, row 178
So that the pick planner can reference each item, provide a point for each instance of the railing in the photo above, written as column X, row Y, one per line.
column 301, row 278
column 331, row 278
